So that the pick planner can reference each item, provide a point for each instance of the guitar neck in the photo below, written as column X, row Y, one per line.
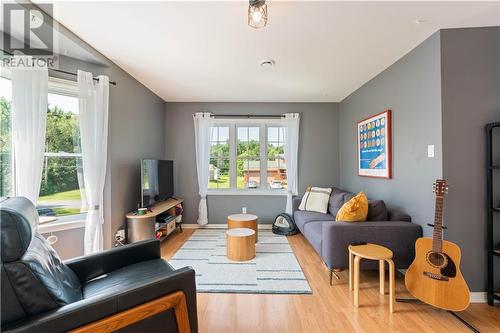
column 437, row 236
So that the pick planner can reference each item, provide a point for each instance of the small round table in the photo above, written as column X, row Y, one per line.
column 244, row 221
column 371, row 252
column 240, row 244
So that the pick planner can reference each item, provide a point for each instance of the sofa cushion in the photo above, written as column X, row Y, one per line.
column 337, row 199
column 397, row 215
column 354, row 210
column 377, row 211
column 313, row 233
column 316, row 199
column 303, row 217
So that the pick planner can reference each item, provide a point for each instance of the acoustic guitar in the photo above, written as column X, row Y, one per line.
column 434, row 277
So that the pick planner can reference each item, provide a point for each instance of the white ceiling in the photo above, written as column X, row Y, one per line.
column 204, row 51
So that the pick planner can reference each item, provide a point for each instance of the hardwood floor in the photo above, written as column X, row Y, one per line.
column 329, row 308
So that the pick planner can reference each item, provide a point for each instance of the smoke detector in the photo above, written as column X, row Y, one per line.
column 267, row 63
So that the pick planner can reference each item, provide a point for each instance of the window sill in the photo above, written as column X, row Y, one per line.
column 247, row 192
column 61, row 225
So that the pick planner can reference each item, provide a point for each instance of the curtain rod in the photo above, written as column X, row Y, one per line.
column 61, row 71
column 248, row 116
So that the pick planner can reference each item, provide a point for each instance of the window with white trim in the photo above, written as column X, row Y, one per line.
column 247, row 156
column 62, row 189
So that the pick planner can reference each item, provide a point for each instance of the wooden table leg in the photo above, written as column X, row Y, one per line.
column 356, row 280
column 391, row 284
column 381, row 273
column 351, row 267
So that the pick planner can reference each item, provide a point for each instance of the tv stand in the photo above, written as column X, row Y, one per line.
column 141, row 227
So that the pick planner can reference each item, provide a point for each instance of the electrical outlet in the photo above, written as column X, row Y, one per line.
column 430, row 151
column 244, row 210
column 120, row 234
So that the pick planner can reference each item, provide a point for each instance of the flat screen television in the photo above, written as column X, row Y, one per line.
column 157, row 181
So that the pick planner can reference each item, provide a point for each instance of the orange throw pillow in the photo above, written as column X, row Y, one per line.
column 354, row 210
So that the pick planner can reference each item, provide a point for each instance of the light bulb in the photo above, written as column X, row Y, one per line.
column 256, row 16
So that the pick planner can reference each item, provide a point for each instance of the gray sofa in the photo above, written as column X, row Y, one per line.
column 330, row 238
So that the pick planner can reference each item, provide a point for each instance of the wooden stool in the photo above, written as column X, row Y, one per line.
column 371, row 252
column 244, row 221
column 240, row 244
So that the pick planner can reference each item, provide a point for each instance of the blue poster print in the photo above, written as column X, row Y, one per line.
column 372, row 136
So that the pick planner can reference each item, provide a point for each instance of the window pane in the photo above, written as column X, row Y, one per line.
column 272, row 134
column 219, row 142
column 253, row 134
column 218, row 149
column 276, row 173
column 218, row 171
column 242, row 133
column 5, row 138
column 248, row 171
column 276, row 166
column 61, row 191
column 224, row 134
column 248, row 142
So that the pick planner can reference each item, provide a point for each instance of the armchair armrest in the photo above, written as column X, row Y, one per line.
column 91, row 309
column 398, row 236
column 91, row 266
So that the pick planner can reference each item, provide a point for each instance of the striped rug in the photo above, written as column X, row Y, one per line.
column 274, row 270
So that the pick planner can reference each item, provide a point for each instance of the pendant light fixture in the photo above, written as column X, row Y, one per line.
column 257, row 13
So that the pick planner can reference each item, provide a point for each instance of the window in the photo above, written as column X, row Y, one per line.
column 5, row 138
column 248, row 164
column 61, row 189
column 247, row 157
column 219, row 158
column 276, row 167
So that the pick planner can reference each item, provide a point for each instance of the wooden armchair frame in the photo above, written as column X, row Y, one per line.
column 176, row 300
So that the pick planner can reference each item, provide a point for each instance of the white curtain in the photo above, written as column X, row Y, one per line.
column 93, row 102
column 202, row 123
column 291, row 122
column 29, row 117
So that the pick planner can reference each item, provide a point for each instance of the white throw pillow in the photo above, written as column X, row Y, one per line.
column 316, row 199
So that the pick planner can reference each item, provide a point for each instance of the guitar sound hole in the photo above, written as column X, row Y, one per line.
column 437, row 259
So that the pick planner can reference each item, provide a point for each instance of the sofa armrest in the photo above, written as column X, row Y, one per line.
column 91, row 266
column 398, row 236
column 91, row 309
column 296, row 203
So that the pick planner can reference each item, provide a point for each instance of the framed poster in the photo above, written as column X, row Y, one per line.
column 375, row 146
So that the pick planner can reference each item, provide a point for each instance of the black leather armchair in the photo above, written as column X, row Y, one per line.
column 126, row 289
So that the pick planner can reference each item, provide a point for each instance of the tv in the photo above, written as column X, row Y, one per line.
column 157, row 181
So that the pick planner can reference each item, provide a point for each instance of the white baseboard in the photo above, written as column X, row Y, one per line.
column 218, row 226
column 480, row 297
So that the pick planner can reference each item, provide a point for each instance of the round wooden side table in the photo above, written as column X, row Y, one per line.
column 244, row 221
column 371, row 252
column 240, row 244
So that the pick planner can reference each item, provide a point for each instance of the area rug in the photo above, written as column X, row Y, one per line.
column 274, row 270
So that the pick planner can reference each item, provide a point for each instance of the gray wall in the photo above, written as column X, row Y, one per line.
column 136, row 131
column 411, row 89
column 470, row 67
column 318, row 155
